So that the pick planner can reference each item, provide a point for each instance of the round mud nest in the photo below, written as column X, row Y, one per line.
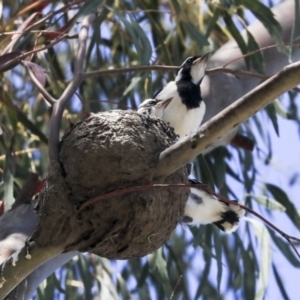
column 106, row 152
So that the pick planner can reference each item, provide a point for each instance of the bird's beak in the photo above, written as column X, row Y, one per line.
column 199, row 67
column 203, row 59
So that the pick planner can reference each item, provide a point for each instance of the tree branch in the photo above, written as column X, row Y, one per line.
column 70, row 90
column 217, row 70
column 41, row 89
column 22, row 263
column 189, row 147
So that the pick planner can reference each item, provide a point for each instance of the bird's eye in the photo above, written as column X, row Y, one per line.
column 152, row 102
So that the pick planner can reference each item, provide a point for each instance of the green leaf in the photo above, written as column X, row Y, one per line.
column 256, row 59
column 86, row 276
column 145, row 45
column 296, row 30
column 250, row 270
column 8, row 180
column 263, row 237
column 176, row 6
column 7, row 61
column 236, row 35
column 280, row 284
column 158, row 266
column 282, row 198
column 206, row 176
column 138, row 36
column 265, row 15
column 267, row 202
column 218, row 249
column 280, row 110
column 212, row 22
column 195, row 34
column 89, row 6
column 285, row 249
column 271, row 113
column 12, row 115
column 134, row 81
column 122, row 287
column 32, row 127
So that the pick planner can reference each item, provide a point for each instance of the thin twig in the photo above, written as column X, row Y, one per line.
column 129, row 69
column 234, row 72
column 175, row 288
column 286, row 236
column 200, row 186
column 261, row 49
column 135, row 189
column 70, row 90
column 41, row 89
column 24, row 55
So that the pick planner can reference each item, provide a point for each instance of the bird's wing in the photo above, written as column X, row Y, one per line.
column 164, row 97
column 169, row 91
column 163, row 104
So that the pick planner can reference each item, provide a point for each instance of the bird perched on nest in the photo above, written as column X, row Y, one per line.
column 179, row 103
column 204, row 208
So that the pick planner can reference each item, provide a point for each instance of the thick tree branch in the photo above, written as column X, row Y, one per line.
column 22, row 263
column 189, row 147
column 27, row 287
column 70, row 90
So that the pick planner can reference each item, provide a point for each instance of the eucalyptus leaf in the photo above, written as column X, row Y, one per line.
column 158, row 265
column 256, row 59
column 8, row 180
column 267, row 202
column 296, row 31
column 282, row 198
column 265, row 15
column 271, row 113
column 281, row 111
column 236, row 35
column 263, row 237
column 195, row 34
column 280, row 284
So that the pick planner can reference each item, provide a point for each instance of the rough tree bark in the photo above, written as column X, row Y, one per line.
column 219, row 91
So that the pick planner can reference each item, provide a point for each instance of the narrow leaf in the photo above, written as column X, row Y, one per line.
column 265, row 15
column 281, row 110
column 145, row 45
column 267, row 202
column 158, row 266
column 15, row 37
column 9, row 61
column 280, row 284
column 256, row 59
column 176, row 6
column 8, row 178
column 282, row 198
column 32, row 127
column 236, row 35
column 206, row 175
column 285, row 249
column 295, row 30
column 271, row 113
column 89, row 6
column 37, row 71
column 194, row 33
column 263, row 237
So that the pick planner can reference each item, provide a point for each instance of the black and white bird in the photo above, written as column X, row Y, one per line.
column 179, row 103
column 204, row 208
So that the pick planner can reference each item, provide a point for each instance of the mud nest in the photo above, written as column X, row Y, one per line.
column 107, row 152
